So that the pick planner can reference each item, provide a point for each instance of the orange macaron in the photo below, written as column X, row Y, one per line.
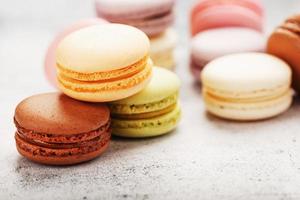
column 104, row 63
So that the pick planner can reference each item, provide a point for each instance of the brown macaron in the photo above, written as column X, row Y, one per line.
column 284, row 43
column 58, row 130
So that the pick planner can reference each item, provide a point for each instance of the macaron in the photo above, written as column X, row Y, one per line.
column 54, row 129
column 49, row 63
column 153, row 17
column 103, row 63
column 284, row 43
column 207, row 14
column 153, row 111
column 162, row 49
column 247, row 86
column 214, row 43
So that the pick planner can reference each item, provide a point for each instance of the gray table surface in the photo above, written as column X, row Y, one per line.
column 205, row 158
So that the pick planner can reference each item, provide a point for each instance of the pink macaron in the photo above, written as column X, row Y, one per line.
column 153, row 17
column 207, row 14
column 214, row 43
column 50, row 68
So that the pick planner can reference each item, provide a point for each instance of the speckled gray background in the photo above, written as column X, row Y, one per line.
column 206, row 158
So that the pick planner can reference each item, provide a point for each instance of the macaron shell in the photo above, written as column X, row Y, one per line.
column 132, row 9
column 254, row 5
column 55, row 113
column 257, row 74
column 50, row 62
column 214, row 43
column 147, row 127
column 106, row 91
column 248, row 111
column 101, row 48
column 58, row 160
column 226, row 16
column 164, row 83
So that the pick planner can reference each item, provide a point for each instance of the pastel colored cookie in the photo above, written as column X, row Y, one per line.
column 284, row 43
column 153, row 111
column 50, row 70
column 247, row 86
column 153, row 17
column 57, row 130
column 214, row 43
column 104, row 63
column 208, row 14
column 162, row 49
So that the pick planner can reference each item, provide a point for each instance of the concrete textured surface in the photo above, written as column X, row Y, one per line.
column 205, row 158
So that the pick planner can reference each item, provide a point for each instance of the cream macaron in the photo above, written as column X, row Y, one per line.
column 247, row 86
column 103, row 63
column 162, row 49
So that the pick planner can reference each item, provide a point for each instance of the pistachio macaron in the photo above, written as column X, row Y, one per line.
column 247, row 86
column 153, row 111
column 103, row 63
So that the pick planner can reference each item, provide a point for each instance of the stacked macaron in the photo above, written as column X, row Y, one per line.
column 98, row 64
column 153, row 17
column 223, row 27
column 111, row 63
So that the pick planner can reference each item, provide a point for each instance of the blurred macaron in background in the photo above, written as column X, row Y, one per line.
column 221, row 28
column 208, row 14
column 154, row 17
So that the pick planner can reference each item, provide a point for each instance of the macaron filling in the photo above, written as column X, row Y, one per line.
column 110, row 75
column 137, row 15
column 152, row 25
column 247, row 96
column 56, row 145
column 146, row 115
column 160, row 18
column 123, row 109
column 247, row 100
column 31, row 135
column 129, row 81
column 165, row 120
column 49, row 150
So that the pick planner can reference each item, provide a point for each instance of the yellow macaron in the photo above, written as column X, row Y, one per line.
column 247, row 86
column 104, row 63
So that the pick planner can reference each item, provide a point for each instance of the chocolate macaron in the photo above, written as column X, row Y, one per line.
column 284, row 43
column 57, row 130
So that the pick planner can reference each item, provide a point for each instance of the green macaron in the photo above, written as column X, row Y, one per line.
column 152, row 112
